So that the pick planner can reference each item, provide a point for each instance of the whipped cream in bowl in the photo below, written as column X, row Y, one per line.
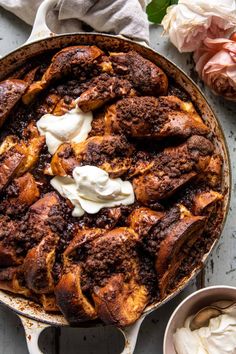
column 218, row 337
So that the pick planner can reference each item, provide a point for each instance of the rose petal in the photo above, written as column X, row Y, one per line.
column 230, row 46
column 216, row 44
column 201, row 60
column 231, row 73
column 189, row 22
column 220, row 59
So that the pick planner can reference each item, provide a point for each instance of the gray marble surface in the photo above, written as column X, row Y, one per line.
column 220, row 269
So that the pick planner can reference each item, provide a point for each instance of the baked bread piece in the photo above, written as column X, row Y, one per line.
column 10, row 251
column 71, row 300
column 21, row 193
column 142, row 219
column 103, row 89
column 172, row 169
column 12, row 279
column 111, row 153
column 145, row 76
column 120, row 302
column 65, row 62
column 155, row 118
column 38, row 265
column 111, row 265
column 185, row 230
column 18, row 156
column 11, row 92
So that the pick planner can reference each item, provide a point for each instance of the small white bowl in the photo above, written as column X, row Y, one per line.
column 190, row 306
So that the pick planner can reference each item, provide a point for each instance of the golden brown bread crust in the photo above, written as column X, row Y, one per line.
column 213, row 172
column 48, row 301
column 49, row 104
column 32, row 146
column 16, row 238
column 8, row 250
column 186, row 230
column 11, row 92
column 19, row 156
column 39, row 217
column 63, row 107
column 145, row 76
column 64, row 160
column 119, row 298
column 12, row 279
column 62, row 64
column 202, row 201
column 80, row 239
column 30, row 76
column 111, row 153
column 158, row 118
column 103, row 89
column 11, row 160
column 120, row 302
column 180, row 233
column 22, row 193
column 38, row 265
column 142, row 219
column 173, row 168
column 70, row 298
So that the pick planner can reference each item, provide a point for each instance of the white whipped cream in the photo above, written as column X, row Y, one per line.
column 91, row 189
column 218, row 338
column 71, row 126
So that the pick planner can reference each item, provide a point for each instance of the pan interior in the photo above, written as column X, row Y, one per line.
column 10, row 62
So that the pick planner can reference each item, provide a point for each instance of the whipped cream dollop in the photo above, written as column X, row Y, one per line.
column 74, row 125
column 218, row 338
column 91, row 189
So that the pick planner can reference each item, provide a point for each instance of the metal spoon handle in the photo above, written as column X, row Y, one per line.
column 231, row 309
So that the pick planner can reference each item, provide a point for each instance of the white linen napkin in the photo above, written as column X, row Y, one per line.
column 123, row 17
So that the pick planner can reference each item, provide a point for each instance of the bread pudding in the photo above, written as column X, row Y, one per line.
column 110, row 184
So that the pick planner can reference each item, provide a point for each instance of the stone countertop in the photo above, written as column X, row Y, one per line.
column 220, row 269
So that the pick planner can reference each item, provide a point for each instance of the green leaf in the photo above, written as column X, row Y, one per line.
column 156, row 10
column 173, row 2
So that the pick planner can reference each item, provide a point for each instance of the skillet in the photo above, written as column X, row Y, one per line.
column 41, row 40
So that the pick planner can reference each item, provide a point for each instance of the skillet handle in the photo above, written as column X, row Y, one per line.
column 40, row 29
column 33, row 329
column 131, row 335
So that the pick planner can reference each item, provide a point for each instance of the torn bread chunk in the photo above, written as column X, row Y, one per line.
column 103, row 89
column 11, row 92
column 110, row 153
column 172, row 169
column 155, row 118
column 63, row 63
column 145, row 76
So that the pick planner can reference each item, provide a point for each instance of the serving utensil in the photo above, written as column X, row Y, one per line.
column 202, row 317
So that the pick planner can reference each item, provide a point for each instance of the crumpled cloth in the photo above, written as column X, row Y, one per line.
column 120, row 17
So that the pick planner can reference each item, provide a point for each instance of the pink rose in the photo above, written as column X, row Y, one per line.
column 216, row 65
column 189, row 22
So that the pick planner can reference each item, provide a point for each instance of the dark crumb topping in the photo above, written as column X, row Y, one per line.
column 117, row 247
